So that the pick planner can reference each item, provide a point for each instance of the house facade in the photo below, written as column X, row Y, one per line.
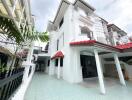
column 81, row 44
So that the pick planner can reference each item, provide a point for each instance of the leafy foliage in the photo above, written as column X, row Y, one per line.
column 9, row 28
column 33, row 35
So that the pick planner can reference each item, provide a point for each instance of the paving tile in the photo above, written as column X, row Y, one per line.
column 44, row 87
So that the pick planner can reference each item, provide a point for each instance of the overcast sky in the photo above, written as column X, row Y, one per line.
column 118, row 12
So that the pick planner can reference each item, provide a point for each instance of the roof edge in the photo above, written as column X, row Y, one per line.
column 62, row 1
column 86, row 4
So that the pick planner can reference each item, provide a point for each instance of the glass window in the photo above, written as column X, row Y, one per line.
column 61, row 22
column 61, row 62
column 56, row 62
column 87, row 31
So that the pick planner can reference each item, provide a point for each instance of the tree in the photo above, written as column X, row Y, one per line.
column 9, row 28
column 29, row 36
column 20, row 36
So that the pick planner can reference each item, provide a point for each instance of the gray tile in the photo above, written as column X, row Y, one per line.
column 44, row 87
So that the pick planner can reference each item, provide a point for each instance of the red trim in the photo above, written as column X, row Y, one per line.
column 58, row 54
column 93, row 42
column 124, row 46
column 85, row 42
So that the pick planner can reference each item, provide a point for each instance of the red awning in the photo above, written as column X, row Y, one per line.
column 58, row 54
column 119, row 48
column 125, row 46
column 85, row 42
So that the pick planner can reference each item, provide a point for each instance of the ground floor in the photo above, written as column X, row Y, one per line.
column 45, row 87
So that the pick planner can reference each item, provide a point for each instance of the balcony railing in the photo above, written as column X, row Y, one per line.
column 86, row 20
column 9, row 82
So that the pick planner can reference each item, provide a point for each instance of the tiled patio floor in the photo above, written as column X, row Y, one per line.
column 44, row 87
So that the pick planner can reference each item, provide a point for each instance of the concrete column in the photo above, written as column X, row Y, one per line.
column 118, row 66
column 100, row 74
column 58, row 69
column 77, row 70
column 30, row 53
column 52, row 67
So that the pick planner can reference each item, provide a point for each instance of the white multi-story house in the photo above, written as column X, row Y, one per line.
column 80, row 41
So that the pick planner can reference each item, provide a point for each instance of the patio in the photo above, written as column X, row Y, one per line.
column 44, row 87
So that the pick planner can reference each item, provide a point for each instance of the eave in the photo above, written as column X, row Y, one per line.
column 61, row 10
column 82, row 4
column 116, row 28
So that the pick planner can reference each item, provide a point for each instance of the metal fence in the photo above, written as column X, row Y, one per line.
column 9, row 82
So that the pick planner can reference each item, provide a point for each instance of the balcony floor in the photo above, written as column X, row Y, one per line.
column 44, row 87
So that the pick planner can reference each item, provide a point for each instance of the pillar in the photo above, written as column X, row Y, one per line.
column 58, row 69
column 118, row 66
column 52, row 67
column 99, row 71
column 30, row 53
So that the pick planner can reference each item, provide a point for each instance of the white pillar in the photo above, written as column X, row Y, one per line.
column 118, row 66
column 58, row 69
column 52, row 67
column 100, row 74
column 30, row 53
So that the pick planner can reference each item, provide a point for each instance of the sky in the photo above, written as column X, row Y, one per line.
column 114, row 11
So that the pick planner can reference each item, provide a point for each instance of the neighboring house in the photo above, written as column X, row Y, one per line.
column 18, row 15
column 20, row 12
column 116, row 35
column 80, row 43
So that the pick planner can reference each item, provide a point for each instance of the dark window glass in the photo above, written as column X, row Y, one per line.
column 57, row 45
column 61, row 62
column 56, row 62
column 61, row 22
column 48, row 62
column 35, row 51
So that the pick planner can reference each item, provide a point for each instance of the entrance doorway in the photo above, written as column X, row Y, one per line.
column 42, row 64
column 88, row 64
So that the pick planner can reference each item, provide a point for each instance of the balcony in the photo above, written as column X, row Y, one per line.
column 87, row 20
column 85, row 33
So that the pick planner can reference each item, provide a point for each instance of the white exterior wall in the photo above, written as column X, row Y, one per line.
column 71, row 70
column 93, row 22
column 77, row 16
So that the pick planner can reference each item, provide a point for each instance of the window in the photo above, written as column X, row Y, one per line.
column 87, row 31
column 48, row 62
column 35, row 51
column 56, row 62
column 61, row 62
column 61, row 22
column 57, row 45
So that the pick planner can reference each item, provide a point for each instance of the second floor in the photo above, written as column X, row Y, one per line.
column 78, row 21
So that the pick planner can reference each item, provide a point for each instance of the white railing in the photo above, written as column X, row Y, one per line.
column 86, row 20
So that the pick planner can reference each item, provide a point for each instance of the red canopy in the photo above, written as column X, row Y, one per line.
column 119, row 48
column 124, row 46
column 58, row 54
column 83, row 42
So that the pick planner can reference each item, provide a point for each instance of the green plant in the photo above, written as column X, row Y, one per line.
column 21, row 35
column 2, row 69
column 10, row 29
